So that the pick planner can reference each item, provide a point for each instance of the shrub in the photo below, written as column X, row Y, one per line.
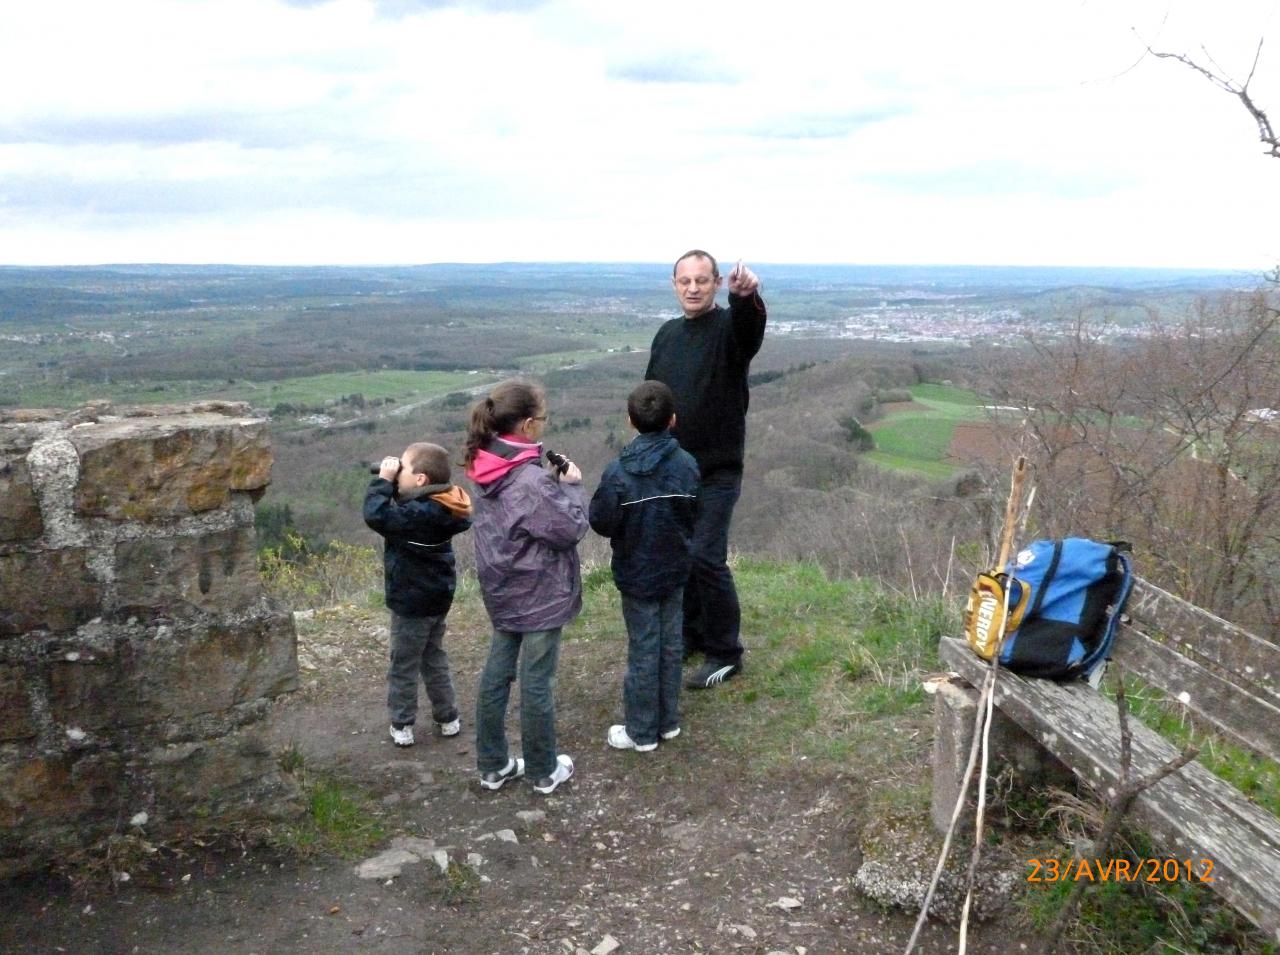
column 858, row 436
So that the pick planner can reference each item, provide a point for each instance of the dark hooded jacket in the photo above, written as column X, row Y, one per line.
column 528, row 526
column 417, row 558
column 645, row 505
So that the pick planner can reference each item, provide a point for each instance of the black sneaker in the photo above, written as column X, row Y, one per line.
column 712, row 673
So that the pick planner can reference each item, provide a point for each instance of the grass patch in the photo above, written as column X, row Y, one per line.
column 317, row 389
column 458, row 885
column 306, row 391
column 917, row 440
column 1256, row 777
column 339, row 820
column 947, row 395
column 827, row 660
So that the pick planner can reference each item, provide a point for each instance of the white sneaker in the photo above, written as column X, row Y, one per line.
column 402, row 736
column 620, row 739
column 452, row 728
column 670, row 734
column 562, row 773
column 513, row 770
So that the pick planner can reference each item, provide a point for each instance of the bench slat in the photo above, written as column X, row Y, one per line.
column 1251, row 659
column 1248, row 720
column 1191, row 814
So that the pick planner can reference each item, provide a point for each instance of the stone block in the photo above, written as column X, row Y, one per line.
column 175, row 576
column 955, row 707
column 181, row 675
column 19, row 509
column 219, row 667
column 90, row 693
column 49, row 589
column 46, row 790
column 164, row 467
column 16, row 720
column 236, row 776
column 251, row 457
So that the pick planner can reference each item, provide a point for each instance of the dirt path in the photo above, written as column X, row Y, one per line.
column 682, row 850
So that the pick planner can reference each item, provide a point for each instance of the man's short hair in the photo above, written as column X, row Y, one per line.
column 429, row 459
column 697, row 254
column 650, row 406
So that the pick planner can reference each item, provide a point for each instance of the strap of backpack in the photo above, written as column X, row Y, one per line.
column 1048, row 576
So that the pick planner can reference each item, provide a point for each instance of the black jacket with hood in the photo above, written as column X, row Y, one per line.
column 645, row 505
column 417, row 561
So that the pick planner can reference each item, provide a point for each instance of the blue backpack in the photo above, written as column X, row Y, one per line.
column 1065, row 598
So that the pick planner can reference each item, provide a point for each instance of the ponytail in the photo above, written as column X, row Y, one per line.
column 509, row 403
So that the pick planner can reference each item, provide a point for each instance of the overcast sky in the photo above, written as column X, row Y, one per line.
column 1028, row 132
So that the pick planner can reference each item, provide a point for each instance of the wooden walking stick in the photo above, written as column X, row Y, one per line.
column 982, row 718
column 1011, row 512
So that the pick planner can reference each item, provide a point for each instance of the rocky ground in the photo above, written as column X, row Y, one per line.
column 689, row 849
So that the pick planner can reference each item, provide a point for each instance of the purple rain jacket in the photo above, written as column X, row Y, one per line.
column 527, row 526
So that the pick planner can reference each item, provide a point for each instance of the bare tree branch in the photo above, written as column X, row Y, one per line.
column 1266, row 133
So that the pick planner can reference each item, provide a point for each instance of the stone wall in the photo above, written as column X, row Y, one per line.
column 137, row 648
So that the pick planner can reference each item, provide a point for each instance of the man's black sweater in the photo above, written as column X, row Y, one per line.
column 704, row 361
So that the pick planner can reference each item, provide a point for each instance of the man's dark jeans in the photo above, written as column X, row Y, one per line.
column 711, row 612
column 655, row 651
column 536, row 654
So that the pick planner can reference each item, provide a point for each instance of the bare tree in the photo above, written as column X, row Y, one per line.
column 1218, row 78
column 1170, row 440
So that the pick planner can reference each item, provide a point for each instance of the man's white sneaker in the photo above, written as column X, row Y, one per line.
column 451, row 728
column 619, row 738
column 562, row 773
column 402, row 736
column 670, row 734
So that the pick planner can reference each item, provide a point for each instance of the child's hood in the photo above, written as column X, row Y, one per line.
column 646, row 452
column 455, row 500
column 499, row 458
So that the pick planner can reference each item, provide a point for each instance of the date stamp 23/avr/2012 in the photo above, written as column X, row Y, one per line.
column 1120, row 870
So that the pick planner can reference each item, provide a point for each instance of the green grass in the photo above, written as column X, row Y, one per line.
column 1256, row 777
column 310, row 390
column 832, row 665
column 917, row 439
column 923, row 436
column 946, row 395
column 542, row 363
column 316, row 389
column 339, row 820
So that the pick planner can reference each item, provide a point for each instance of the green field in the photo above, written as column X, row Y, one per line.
column 308, row 391
column 916, row 439
column 374, row 385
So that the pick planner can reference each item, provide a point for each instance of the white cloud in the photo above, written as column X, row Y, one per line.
column 357, row 131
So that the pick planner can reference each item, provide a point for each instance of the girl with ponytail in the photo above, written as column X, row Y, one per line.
column 528, row 521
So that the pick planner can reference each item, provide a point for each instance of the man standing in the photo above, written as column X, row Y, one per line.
column 703, row 358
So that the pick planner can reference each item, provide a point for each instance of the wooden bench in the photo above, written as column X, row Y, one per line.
column 1228, row 680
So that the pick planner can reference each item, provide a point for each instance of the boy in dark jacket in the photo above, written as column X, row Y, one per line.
column 645, row 506
column 416, row 508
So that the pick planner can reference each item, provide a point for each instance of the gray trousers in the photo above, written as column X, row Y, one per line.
column 417, row 647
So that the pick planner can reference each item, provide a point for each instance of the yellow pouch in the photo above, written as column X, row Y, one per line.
column 985, row 611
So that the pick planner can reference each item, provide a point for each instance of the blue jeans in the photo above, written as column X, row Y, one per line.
column 536, row 653
column 417, row 647
column 711, row 613
column 655, row 654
